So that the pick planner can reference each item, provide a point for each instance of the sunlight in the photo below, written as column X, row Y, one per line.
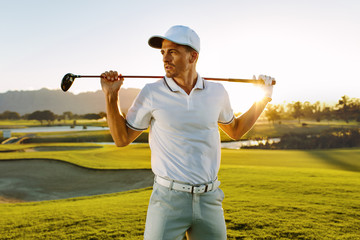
column 242, row 96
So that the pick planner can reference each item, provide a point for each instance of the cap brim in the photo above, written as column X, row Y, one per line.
column 156, row 41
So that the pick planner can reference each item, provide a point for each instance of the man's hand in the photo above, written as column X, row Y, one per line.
column 111, row 82
column 122, row 135
column 267, row 87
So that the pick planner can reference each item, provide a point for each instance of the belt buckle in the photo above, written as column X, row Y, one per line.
column 205, row 190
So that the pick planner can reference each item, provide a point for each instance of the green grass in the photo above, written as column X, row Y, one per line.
column 107, row 157
column 35, row 123
column 269, row 195
column 112, row 216
column 336, row 159
column 262, row 129
column 284, row 203
column 73, row 136
column 18, row 123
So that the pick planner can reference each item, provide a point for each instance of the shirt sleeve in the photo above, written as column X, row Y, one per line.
column 140, row 112
column 226, row 115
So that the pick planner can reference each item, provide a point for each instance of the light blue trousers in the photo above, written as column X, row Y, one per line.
column 172, row 213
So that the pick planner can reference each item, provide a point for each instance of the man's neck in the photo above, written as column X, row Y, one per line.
column 187, row 82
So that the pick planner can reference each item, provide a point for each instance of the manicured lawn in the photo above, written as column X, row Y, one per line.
column 262, row 129
column 269, row 195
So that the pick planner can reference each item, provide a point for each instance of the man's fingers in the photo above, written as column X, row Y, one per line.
column 113, row 75
column 110, row 76
column 116, row 75
column 105, row 75
column 267, row 79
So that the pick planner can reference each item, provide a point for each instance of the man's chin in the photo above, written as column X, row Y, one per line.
column 169, row 75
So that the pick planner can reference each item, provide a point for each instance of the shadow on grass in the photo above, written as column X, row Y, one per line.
column 330, row 158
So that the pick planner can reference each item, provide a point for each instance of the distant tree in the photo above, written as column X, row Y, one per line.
column 354, row 107
column 49, row 116
column 76, row 116
column 10, row 115
column 68, row 115
column 308, row 110
column 65, row 116
column 297, row 110
column 25, row 116
column 317, row 111
column 344, row 108
column 327, row 114
column 272, row 113
column 91, row 116
column 102, row 114
column 35, row 116
column 59, row 118
column 42, row 116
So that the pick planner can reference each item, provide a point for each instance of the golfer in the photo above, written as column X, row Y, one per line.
column 183, row 112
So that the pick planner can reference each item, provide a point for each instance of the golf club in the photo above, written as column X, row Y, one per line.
column 69, row 79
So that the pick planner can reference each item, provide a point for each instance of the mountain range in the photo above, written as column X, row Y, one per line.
column 58, row 102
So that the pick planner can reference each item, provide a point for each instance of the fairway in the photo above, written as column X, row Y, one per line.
column 283, row 203
column 268, row 195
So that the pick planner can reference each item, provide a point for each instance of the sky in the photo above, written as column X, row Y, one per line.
column 311, row 47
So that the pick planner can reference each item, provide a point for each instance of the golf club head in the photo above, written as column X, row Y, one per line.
column 67, row 81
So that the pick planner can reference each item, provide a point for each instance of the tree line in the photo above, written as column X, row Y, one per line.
column 346, row 109
column 49, row 117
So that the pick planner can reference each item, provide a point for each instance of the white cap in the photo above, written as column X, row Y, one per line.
column 178, row 34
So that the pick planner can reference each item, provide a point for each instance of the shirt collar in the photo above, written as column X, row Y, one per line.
column 171, row 84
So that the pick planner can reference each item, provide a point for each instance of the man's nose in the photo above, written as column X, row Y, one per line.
column 166, row 57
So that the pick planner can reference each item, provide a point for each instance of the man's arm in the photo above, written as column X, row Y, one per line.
column 242, row 124
column 120, row 132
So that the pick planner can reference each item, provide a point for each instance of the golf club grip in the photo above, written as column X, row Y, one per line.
column 253, row 81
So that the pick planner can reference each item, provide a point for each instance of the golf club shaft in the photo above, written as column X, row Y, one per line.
column 254, row 81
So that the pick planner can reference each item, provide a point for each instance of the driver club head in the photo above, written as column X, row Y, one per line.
column 67, row 81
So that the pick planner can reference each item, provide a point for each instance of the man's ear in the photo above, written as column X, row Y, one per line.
column 194, row 56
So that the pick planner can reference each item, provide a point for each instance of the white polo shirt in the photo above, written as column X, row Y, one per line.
column 184, row 137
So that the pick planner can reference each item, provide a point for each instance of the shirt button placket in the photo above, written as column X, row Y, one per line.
column 188, row 99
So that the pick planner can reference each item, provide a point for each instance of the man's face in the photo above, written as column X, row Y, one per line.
column 176, row 58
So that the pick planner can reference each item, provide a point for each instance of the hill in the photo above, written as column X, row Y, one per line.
column 58, row 101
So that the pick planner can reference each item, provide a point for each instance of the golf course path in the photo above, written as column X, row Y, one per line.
column 38, row 180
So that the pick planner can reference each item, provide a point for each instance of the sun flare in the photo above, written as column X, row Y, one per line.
column 242, row 96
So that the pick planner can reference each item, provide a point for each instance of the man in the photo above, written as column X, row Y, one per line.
column 183, row 112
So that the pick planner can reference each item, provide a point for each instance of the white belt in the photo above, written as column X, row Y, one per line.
column 187, row 187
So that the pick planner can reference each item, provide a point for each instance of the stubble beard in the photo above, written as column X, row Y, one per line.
column 170, row 74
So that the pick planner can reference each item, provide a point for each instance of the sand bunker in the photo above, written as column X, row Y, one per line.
column 38, row 180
